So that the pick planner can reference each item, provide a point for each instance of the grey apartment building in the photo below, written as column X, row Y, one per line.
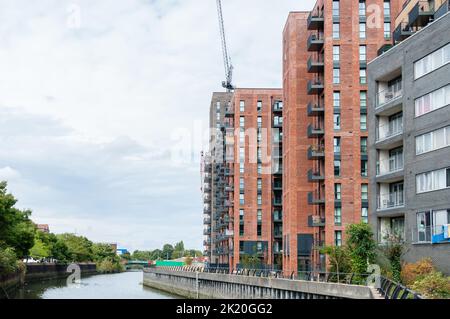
column 409, row 138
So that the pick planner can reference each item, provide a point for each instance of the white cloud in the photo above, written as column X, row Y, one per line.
column 87, row 114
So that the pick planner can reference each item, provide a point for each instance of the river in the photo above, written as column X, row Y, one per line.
column 127, row 285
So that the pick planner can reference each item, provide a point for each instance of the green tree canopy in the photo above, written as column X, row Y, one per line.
column 79, row 247
column 361, row 247
column 16, row 229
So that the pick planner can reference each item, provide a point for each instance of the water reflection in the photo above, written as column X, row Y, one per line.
column 117, row 286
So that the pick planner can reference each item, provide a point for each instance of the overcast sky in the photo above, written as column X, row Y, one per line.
column 95, row 96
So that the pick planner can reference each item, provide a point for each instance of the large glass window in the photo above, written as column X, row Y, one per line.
column 242, row 122
column 338, row 238
column 337, row 121
column 337, row 145
column 362, row 8
column 242, row 106
column 337, row 168
column 362, row 30
column 336, row 100
column 363, row 122
column 336, row 53
column 259, row 106
column 432, row 101
column 363, row 145
column 338, row 216
column 365, row 215
column 337, row 192
column 241, row 199
column 432, row 181
column 387, row 9
column 362, row 53
column 365, row 192
column 363, row 76
column 387, row 30
column 336, row 31
column 336, row 8
column 336, row 76
column 432, row 61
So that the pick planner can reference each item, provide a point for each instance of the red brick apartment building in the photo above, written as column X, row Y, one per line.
column 325, row 55
column 324, row 177
column 245, row 206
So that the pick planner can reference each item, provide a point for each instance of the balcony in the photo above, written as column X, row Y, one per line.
column 316, row 221
column 403, row 31
column 315, row 87
column 277, row 217
column 207, row 210
column 314, row 198
column 315, row 43
column 229, row 172
column 277, row 187
column 207, row 232
column 390, row 201
column 387, row 169
column 278, row 234
column 278, row 107
column 229, row 204
column 229, row 189
column 315, row 65
column 315, row 21
column 315, row 132
column 316, row 152
column 229, row 112
column 277, row 202
column 315, row 109
column 314, row 177
column 389, row 98
column 207, row 221
column 206, row 199
column 390, row 130
column 421, row 14
column 207, row 188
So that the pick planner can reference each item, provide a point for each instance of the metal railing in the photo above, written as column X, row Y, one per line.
column 386, row 287
column 390, row 165
column 389, row 130
column 392, row 200
column 387, row 96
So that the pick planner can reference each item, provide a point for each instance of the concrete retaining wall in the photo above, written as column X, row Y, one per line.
column 10, row 282
column 222, row 286
column 51, row 271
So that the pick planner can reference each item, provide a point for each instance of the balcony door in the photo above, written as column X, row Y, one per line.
column 396, row 159
column 396, row 194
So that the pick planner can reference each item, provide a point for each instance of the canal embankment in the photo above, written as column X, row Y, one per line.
column 38, row 272
column 202, row 285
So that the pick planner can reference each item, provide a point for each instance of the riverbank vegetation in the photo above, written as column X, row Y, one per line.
column 361, row 251
column 20, row 240
column 168, row 252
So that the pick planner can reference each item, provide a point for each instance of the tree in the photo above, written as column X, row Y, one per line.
column 40, row 250
column 157, row 255
column 80, row 248
column 167, row 251
column 361, row 247
column 16, row 229
column 393, row 250
column 102, row 251
column 338, row 258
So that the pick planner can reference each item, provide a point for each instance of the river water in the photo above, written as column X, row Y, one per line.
column 126, row 285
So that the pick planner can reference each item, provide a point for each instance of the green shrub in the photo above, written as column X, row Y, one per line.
column 433, row 285
column 8, row 261
column 413, row 272
column 109, row 265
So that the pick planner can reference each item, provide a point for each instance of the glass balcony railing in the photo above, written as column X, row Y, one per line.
column 390, row 201
column 389, row 166
column 394, row 128
column 388, row 95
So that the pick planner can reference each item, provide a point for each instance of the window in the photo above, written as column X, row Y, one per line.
column 362, row 30
column 335, row 8
column 241, row 199
column 365, row 192
column 336, row 53
column 365, row 215
column 241, row 184
column 362, row 53
column 259, row 199
column 432, row 62
column 337, row 121
column 242, row 138
column 364, row 168
column 259, row 216
column 241, row 155
column 387, row 30
column 337, row 192
column 363, row 122
column 338, row 238
column 387, row 9
column 259, row 168
column 362, row 8
column 259, row 121
column 433, row 140
column 259, row 184
column 218, row 106
column 363, row 100
column 259, row 106
column 336, row 76
column 241, row 168
column 242, row 106
column 218, row 116
column 241, row 223
column 336, row 100
column 433, row 101
column 337, row 168
column 363, row 76
column 338, row 216
column 259, row 154
column 336, row 31
column 337, row 146
column 433, row 181
column 242, row 122
column 363, row 145
column 259, row 230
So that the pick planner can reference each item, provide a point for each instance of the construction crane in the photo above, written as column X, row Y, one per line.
column 227, row 84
